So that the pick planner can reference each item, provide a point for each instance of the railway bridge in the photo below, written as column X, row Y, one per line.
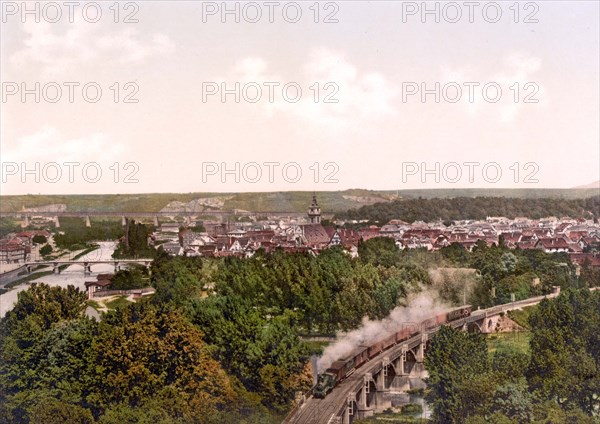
column 362, row 394
column 86, row 264
column 26, row 216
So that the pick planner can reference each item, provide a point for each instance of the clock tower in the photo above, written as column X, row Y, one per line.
column 314, row 211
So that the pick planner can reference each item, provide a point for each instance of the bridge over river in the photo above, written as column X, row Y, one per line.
column 362, row 394
column 86, row 264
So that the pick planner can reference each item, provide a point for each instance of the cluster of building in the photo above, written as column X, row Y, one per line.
column 579, row 238
column 16, row 247
column 244, row 239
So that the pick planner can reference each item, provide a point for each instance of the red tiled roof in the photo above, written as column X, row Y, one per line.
column 100, row 283
column 315, row 234
column 529, row 244
column 12, row 248
column 553, row 243
column 580, row 258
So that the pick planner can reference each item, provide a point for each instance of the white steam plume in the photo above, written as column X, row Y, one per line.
column 423, row 306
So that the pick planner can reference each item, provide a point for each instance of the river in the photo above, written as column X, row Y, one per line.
column 73, row 275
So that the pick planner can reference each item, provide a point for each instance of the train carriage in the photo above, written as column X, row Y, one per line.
column 338, row 369
column 389, row 341
column 403, row 334
column 344, row 367
column 375, row 349
column 459, row 313
column 361, row 355
column 428, row 323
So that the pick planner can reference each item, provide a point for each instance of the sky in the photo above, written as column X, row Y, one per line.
column 179, row 97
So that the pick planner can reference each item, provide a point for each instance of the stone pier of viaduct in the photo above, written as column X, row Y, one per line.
column 155, row 216
column 362, row 394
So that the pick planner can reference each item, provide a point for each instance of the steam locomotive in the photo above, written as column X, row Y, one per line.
column 344, row 367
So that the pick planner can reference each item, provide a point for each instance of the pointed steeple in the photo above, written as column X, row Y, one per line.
column 314, row 211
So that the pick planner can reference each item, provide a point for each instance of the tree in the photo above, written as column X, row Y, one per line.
column 455, row 361
column 386, row 296
column 49, row 304
column 141, row 349
column 39, row 239
column 519, row 286
column 459, row 208
column 128, row 279
column 45, row 250
column 495, row 418
column 36, row 356
column 379, row 251
column 455, row 253
column 177, row 280
column 135, row 243
column 198, row 228
column 74, row 234
column 481, row 296
column 590, row 276
column 510, row 363
column 551, row 412
column 513, row 400
column 54, row 411
column 565, row 350
column 265, row 355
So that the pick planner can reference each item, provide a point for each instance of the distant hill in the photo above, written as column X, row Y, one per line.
column 519, row 193
column 594, row 185
column 459, row 208
column 289, row 201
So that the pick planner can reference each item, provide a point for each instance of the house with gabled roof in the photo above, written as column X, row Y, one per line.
column 552, row 245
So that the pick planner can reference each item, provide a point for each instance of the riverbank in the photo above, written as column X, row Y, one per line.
column 71, row 275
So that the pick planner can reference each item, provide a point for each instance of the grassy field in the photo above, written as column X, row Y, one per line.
column 292, row 201
column 516, row 340
column 390, row 417
column 94, row 305
column 521, row 316
column 118, row 302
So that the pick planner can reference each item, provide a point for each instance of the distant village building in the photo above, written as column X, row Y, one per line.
column 102, row 283
column 17, row 247
column 12, row 252
column 578, row 238
column 552, row 245
column 313, row 235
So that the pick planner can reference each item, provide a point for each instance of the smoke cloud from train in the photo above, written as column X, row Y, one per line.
column 422, row 306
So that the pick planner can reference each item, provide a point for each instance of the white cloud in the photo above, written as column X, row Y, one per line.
column 52, row 53
column 519, row 69
column 251, row 68
column 346, row 98
column 514, row 68
column 361, row 96
column 132, row 49
column 50, row 145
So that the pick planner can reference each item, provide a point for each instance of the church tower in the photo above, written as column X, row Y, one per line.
column 314, row 211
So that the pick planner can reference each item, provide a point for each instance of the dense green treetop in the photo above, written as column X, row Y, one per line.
column 460, row 208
